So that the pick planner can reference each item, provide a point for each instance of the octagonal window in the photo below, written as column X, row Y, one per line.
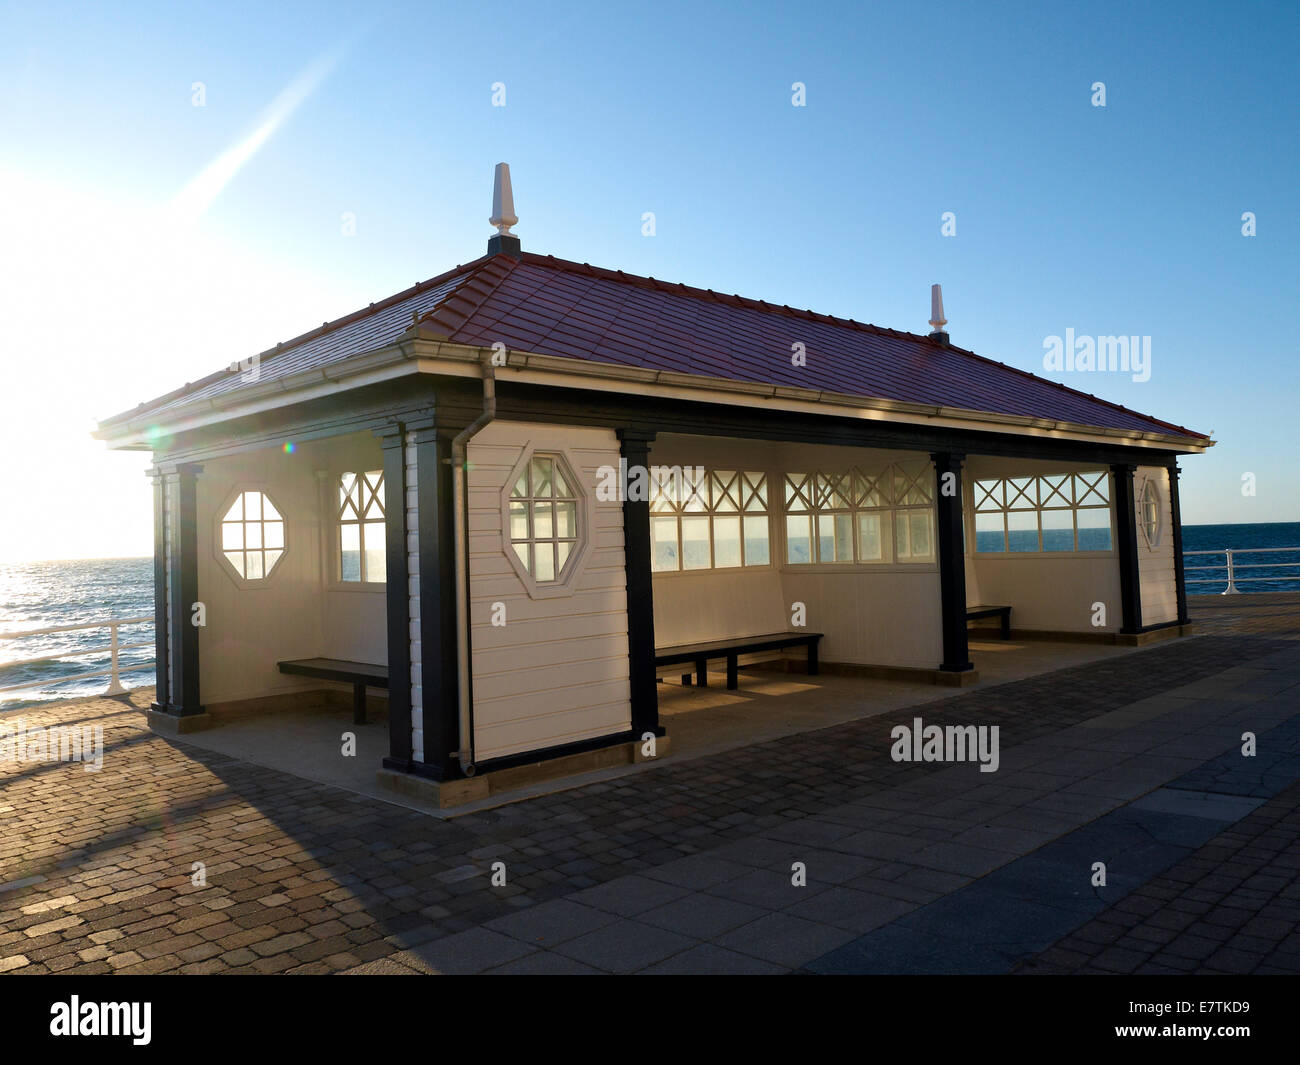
column 1151, row 514
column 543, row 517
column 252, row 535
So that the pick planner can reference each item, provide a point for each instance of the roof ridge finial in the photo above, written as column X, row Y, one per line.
column 503, row 215
column 937, row 320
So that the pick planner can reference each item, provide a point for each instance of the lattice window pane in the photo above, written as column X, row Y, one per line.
column 1094, row 528
column 726, row 492
column 1055, row 491
column 798, row 492
column 544, row 561
column 562, row 489
column 1092, row 489
column 663, row 543
column 726, row 542
column 695, row 542
column 1022, row 493
column 798, row 538
column 566, row 520
column 758, row 551
column 1058, row 530
column 871, row 546
column 1022, row 530
column 250, row 525
column 350, row 551
column 834, row 538
column 541, row 516
column 989, row 495
column 540, row 472
column 990, row 534
column 376, row 550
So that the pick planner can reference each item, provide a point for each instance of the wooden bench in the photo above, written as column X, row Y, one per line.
column 360, row 675
column 731, row 650
column 1003, row 613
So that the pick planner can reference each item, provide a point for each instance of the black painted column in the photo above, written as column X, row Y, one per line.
column 438, row 651
column 183, row 575
column 635, row 449
column 1126, row 548
column 418, row 455
column 952, row 560
column 160, row 618
column 392, row 440
column 1176, row 527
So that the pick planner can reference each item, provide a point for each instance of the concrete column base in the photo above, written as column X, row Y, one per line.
column 1165, row 632
column 447, row 793
column 176, row 724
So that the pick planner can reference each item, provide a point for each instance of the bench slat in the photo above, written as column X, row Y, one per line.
column 1003, row 613
column 687, row 652
column 338, row 669
column 731, row 650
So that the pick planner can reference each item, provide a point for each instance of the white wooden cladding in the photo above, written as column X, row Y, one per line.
column 1156, row 574
column 556, row 672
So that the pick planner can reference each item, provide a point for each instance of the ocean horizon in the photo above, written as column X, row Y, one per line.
column 59, row 592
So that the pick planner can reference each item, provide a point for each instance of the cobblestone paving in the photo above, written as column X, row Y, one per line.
column 684, row 867
column 1231, row 907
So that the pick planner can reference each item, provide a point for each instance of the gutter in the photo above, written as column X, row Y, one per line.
column 460, row 525
column 427, row 355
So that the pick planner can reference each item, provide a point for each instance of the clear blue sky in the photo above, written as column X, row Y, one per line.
column 1117, row 220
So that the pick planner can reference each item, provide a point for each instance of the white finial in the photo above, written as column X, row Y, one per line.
column 503, row 201
column 937, row 320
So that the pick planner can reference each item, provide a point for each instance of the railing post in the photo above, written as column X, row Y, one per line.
column 114, row 684
column 1232, row 588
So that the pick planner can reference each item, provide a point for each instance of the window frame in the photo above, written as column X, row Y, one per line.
column 585, row 515
column 333, row 557
column 1150, row 497
column 1013, row 488
column 856, row 491
column 218, row 539
column 677, row 510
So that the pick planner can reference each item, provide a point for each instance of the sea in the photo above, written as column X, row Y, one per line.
column 38, row 595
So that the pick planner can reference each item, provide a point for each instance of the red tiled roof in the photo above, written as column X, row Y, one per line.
column 550, row 306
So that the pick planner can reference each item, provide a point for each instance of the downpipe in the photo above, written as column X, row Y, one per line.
column 460, row 522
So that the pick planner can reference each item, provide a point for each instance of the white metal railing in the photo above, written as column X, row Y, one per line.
column 113, row 672
column 1234, row 567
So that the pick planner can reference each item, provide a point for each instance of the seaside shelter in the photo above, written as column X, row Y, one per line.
column 521, row 496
